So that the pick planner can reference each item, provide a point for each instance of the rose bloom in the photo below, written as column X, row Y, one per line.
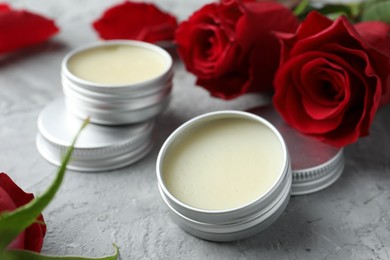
column 136, row 21
column 333, row 77
column 12, row 197
column 230, row 45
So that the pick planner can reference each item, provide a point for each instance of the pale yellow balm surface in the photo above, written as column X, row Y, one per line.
column 117, row 64
column 223, row 164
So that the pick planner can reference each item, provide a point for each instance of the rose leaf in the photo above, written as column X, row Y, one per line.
column 333, row 11
column 23, row 254
column 377, row 11
column 302, row 7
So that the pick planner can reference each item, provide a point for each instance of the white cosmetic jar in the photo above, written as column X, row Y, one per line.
column 117, row 82
column 221, row 196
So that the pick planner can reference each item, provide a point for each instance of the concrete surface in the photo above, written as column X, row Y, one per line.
column 349, row 220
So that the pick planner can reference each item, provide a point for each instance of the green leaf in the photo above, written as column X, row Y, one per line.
column 301, row 7
column 22, row 255
column 14, row 222
column 377, row 11
column 336, row 9
column 333, row 11
column 356, row 9
column 334, row 16
column 368, row 3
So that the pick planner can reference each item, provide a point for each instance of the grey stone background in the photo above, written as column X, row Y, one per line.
column 349, row 220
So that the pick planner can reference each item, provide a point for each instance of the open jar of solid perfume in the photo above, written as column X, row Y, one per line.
column 228, row 175
column 224, row 175
column 117, row 82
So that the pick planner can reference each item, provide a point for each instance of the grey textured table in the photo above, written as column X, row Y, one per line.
column 349, row 220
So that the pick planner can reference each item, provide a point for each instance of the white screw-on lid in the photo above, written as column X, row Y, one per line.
column 315, row 165
column 98, row 148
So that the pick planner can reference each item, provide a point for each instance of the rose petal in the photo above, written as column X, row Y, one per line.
column 259, row 21
column 19, row 197
column 34, row 235
column 293, row 108
column 345, row 133
column 373, row 83
column 339, row 31
column 329, row 68
column 209, row 55
column 375, row 33
column 18, row 242
column 318, row 24
column 136, row 21
column 229, row 12
column 187, row 34
column 284, row 87
column 4, row 7
column 20, row 28
column 227, row 87
column 6, row 202
column 321, row 92
column 367, row 90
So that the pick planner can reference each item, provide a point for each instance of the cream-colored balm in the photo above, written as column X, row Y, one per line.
column 117, row 64
column 223, row 164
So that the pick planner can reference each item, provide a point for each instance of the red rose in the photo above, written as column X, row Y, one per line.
column 12, row 197
column 331, row 78
column 136, row 21
column 230, row 45
column 20, row 28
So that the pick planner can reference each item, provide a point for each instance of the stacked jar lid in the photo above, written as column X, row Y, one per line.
column 121, row 86
column 315, row 165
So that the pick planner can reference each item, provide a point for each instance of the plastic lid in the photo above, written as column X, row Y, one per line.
column 98, row 148
column 315, row 165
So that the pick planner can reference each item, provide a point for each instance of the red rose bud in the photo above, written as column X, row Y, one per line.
column 21, row 28
column 331, row 78
column 12, row 197
column 136, row 21
column 230, row 45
